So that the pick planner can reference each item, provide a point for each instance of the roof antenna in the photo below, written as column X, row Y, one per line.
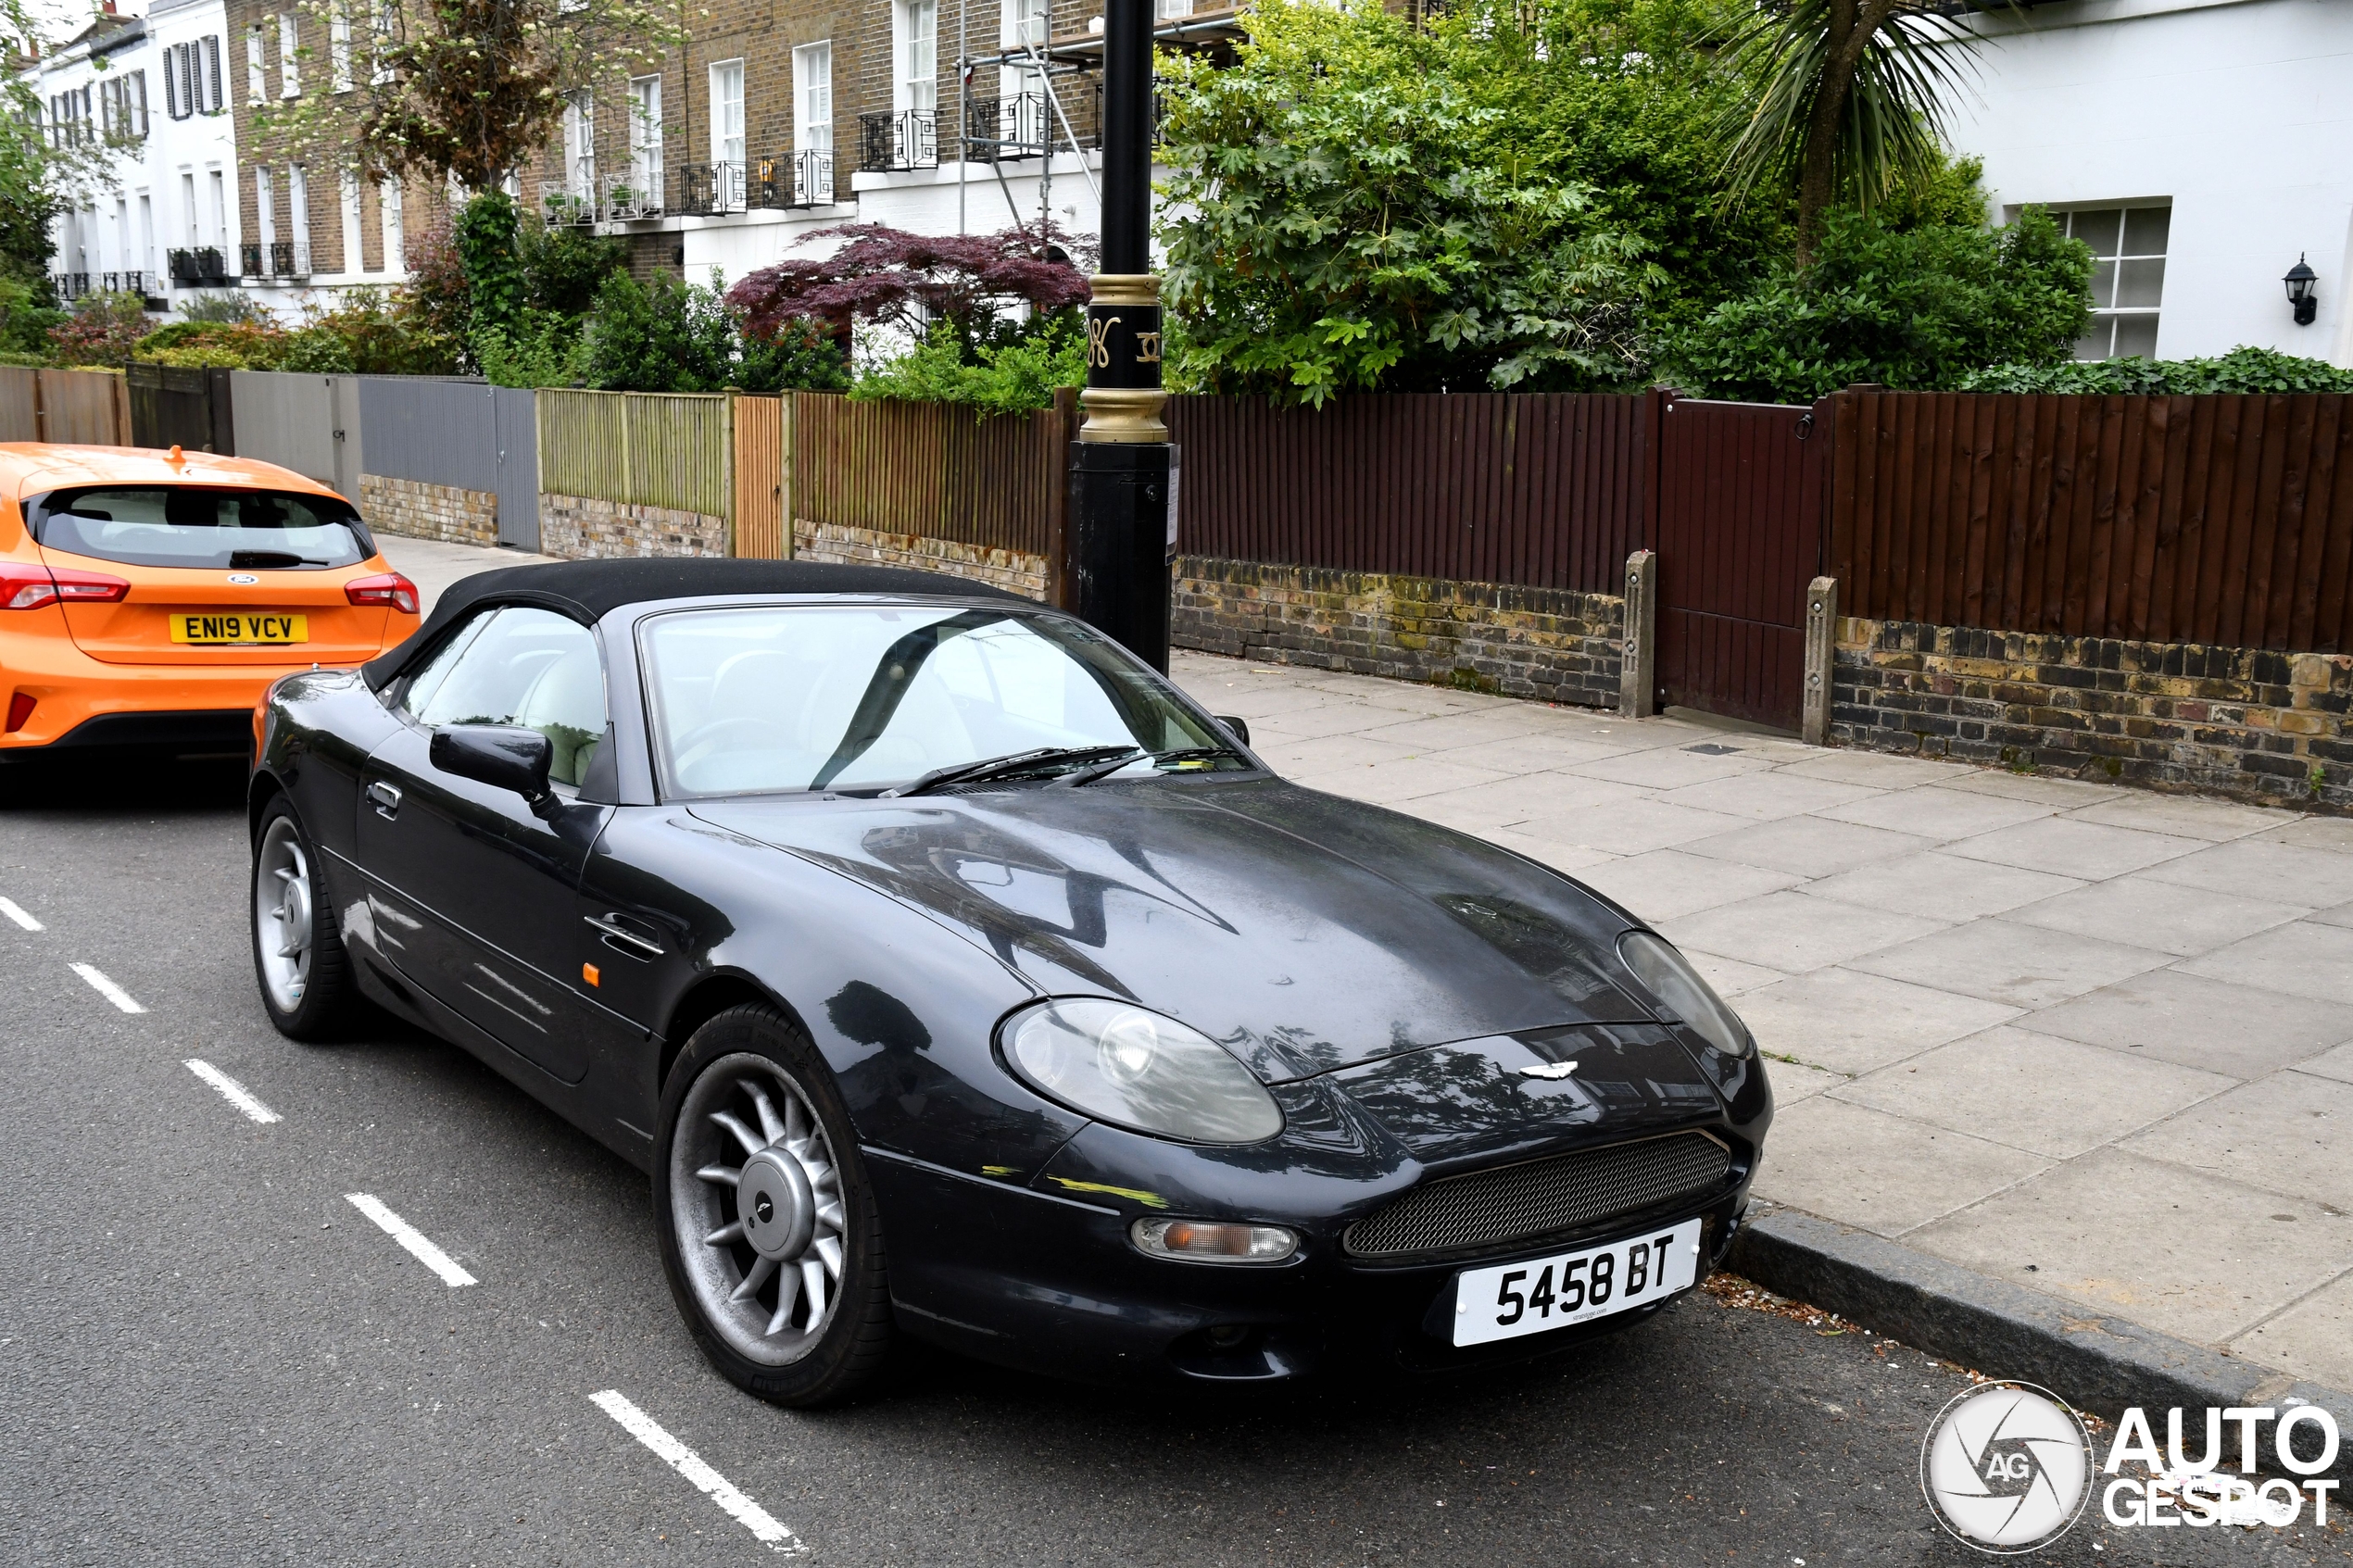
column 177, row 460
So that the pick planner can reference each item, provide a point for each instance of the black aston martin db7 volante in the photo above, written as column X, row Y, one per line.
column 955, row 975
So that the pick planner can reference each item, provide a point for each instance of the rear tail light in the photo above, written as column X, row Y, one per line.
column 20, row 709
column 385, row 588
column 25, row 586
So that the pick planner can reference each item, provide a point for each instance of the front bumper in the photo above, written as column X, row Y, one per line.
column 1051, row 1285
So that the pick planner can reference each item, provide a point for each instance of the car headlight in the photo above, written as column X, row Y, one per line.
column 1118, row 1063
column 1678, row 989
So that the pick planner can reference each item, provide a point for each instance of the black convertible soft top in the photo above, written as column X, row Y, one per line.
column 588, row 590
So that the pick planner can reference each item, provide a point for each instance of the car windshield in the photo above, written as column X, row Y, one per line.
column 868, row 696
column 190, row 525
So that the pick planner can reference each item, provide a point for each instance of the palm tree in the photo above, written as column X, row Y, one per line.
column 1850, row 99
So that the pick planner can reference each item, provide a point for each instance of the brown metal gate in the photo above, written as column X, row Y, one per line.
column 1739, row 532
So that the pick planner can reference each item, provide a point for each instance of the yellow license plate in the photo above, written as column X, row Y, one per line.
column 206, row 628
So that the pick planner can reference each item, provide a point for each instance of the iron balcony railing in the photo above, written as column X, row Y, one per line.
column 249, row 258
column 289, row 259
column 812, row 178
column 71, row 285
column 899, row 139
column 1019, row 126
column 1160, row 113
column 125, row 282
column 707, row 189
column 633, row 196
column 197, row 267
column 560, row 204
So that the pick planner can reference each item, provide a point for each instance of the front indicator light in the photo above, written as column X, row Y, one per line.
column 1213, row 1241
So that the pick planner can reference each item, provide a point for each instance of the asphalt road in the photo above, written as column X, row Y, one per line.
column 210, row 1355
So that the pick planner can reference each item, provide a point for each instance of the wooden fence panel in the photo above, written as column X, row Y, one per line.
column 930, row 469
column 2223, row 520
column 639, row 448
column 90, row 408
column 760, row 479
column 19, row 403
column 1544, row 490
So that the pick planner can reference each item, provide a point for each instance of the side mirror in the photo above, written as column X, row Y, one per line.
column 1238, row 728
column 502, row 756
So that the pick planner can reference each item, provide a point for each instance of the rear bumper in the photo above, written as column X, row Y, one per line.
column 1023, row 1279
column 201, row 731
column 80, row 704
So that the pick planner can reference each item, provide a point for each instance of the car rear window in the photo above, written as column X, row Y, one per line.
column 191, row 525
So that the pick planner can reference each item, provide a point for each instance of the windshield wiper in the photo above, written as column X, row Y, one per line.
column 1105, row 770
column 1013, row 762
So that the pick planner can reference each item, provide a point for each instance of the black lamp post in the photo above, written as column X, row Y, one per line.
column 1120, row 524
column 2299, row 280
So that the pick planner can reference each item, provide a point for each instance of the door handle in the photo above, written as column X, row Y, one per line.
column 385, row 798
column 621, row 939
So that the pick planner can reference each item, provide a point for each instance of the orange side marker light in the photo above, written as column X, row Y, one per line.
column 588, row 972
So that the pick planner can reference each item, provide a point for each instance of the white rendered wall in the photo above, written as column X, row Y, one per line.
column 2239, row 110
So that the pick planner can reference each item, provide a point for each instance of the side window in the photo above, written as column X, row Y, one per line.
column 520, row 666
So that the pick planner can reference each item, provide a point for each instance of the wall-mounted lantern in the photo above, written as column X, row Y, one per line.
column 2299, row 280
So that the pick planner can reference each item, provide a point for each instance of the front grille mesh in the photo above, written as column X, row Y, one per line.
column 1542, row 1197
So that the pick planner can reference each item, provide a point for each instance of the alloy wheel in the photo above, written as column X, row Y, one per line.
column 283, row 919
column 756, row 1201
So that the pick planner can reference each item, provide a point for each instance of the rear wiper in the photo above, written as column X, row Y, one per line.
column 998, row 767
column 265, row 559
column 1182, row 754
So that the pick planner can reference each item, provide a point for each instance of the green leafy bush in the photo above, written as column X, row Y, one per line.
column 563, row 267
column 1497, row 197
column 229, row 345
column 675, row 336
column 1916, row 296
column 228, row 304
column 1010, row 378
column 541, row 348
column 495, row 279
column 383, row 334
column 800, row 357
column 25, row 321
column 2242, row 370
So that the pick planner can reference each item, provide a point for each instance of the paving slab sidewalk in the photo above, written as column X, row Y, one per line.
column 2090, row 1041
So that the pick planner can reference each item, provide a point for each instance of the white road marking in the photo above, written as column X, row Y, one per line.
column 236, row 1094
column 417, row 1247
column 15, row 911
column 107, row 988
column 687, row 1462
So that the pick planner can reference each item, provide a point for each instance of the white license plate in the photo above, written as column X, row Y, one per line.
column 1510, row 1299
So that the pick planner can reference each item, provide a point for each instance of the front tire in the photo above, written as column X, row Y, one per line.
column 297, row 949
column 766, row 1220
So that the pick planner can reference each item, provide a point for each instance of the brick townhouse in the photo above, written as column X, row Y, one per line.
column 778, row 117
column 308, row 220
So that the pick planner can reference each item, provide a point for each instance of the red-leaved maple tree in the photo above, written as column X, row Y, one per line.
column 878, row 273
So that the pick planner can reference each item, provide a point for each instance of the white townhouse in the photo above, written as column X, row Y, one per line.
column 2202, row 147
column 149, row 90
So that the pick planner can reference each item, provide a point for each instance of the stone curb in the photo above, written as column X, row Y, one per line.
column 2099, row 1364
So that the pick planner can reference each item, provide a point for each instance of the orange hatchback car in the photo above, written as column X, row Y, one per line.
column 147, row 599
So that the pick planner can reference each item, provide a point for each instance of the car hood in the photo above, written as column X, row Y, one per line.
column 1305, row 932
